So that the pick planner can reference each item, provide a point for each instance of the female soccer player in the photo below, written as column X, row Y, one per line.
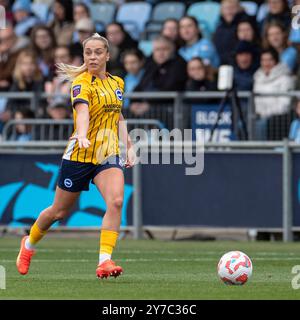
column 92, row 154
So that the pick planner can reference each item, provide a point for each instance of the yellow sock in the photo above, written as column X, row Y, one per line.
column 36, row 234
column 108, row 241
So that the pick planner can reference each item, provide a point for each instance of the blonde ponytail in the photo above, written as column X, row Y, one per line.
column 69, row 72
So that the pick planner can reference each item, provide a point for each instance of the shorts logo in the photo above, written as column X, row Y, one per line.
column 119, row 95
column 68, row 183
column 76, row 90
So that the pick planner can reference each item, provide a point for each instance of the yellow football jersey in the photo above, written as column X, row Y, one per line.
column 104, row 100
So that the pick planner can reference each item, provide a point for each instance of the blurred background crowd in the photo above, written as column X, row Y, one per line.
column 154, row 46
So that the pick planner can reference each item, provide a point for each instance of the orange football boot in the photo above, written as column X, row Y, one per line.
column 108, row 268
column 24, row 258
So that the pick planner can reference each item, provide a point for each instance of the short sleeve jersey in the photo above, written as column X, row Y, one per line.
column 103, row 98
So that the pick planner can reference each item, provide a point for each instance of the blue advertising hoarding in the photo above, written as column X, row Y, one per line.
column 27, row 186
column 235, row 190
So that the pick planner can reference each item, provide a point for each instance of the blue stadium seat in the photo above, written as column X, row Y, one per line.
column 262, row 12
column 206, row 12
column 103, row 13
column 160, row 13
column 41, row 11
column 165, row 10
column 134, row 16
column 250, row 7
column 48, row 2
column 146, row 47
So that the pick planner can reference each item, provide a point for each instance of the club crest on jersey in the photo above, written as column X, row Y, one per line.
column 119, row 95
column 76, row 90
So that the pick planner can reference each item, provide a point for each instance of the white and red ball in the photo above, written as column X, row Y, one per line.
column 235, row 268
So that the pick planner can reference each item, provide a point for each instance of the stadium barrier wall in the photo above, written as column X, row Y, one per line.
column 243, row 185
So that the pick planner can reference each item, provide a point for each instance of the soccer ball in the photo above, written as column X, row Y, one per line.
column 235, row 268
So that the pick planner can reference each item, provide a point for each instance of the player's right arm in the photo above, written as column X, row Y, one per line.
column 80, row 96
column 82, row 125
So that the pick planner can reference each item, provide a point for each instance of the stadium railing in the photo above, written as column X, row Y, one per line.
column 174, row 109
column 53, row 130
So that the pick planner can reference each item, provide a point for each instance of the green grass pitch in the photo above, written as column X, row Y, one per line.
column 64, row 268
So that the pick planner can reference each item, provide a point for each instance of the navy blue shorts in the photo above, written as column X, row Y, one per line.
column 76, row 176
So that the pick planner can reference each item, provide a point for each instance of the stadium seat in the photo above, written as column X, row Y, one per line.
column 250, row 7
column 206, row 12
column 48, row 2
column 134, row 16
column 152, row 30
column 160, row 13
column 41, row 11
column 262, row 12
column 146, row 47
column 103, row 13
column 165, row 10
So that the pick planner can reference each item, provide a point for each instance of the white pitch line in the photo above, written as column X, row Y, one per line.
column 146, row 260
column 260, row 253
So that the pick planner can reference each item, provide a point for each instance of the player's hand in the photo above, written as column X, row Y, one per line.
column 131, row 158
column 83, row 142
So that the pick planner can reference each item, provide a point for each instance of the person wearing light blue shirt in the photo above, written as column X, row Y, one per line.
column 195, row 45
column 294, row 134
column 133, row 60
column 22, row 15
column 276, row 37
column 289, row 57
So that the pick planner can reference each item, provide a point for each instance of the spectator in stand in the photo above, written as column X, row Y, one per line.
column 277, row 37
column 23, row 131
column 278, row 11
column 59, row 111
column 119, row 40
column 294, row 133
column 164, row 71
column 247, row 30
column 201, row 77
column 225, row 38
column 85, row 29
column 80, row 11
column 245, row 66
column 62, row 25
column 24, row 19
column 10, row 47
column 43, row 44
column 170, row 29
column 272, row 76
column 194, row 44
column 133, row 60
column 27, row 77
column 56, row 87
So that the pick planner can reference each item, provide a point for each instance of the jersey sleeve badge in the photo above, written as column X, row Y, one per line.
column 76, row 90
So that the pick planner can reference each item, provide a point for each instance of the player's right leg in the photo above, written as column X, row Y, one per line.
column 60, row 208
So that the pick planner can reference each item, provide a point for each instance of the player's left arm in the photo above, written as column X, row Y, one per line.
column 125, row 138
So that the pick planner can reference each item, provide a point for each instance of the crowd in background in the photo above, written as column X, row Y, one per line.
column 265, row 57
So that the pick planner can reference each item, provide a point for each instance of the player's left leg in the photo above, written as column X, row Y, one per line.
column 110, row 182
